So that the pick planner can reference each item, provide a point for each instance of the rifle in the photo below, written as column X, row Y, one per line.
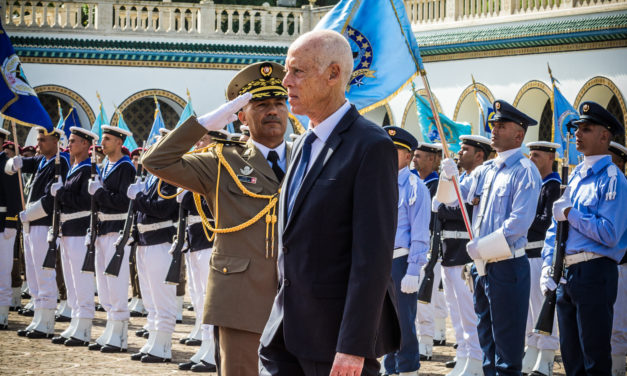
column 113, row 268
column 89, row 264
column 50, row 260
column 425, row 291
column 174, row 272
column 544, row 325
column 18, row 240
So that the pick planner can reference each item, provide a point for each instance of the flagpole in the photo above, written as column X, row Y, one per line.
column 483, row 117
column 19, row 170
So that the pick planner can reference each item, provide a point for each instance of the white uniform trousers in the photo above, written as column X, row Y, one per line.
column 7, row 239
column 427, row 313
column 540, row 341
column 619, row 326
column 42, row 284
column 153, row 262
column 112, row 291
column 79, row 285
column 198, row 275
column 461, row 307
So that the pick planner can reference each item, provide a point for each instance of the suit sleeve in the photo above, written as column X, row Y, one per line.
column 30, row 164
column 375, row 205
column 117, row 200
column 168, row 159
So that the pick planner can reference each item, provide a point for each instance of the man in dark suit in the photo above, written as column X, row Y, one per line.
column 335, row 309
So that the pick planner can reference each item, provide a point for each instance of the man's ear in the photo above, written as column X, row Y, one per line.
column 334, row 72
column 242, row 117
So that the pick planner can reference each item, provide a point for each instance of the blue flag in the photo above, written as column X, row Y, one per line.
column 101, row 119
column 187, row 111
column 65, row 123
column 18, row 100
column 563, row 114
column 129, row 142
column 486, row 112
column 452, row 130
column 156, row 125
column 385, row 52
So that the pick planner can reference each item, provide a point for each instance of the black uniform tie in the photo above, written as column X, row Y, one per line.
column 273, row 158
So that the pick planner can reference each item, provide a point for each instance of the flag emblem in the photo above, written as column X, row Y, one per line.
column 15, row 77
column 362, row 56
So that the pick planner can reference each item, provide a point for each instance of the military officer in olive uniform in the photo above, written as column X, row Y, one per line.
column 240, row 182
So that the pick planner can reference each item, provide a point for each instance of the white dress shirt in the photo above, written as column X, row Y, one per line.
column 280, row 150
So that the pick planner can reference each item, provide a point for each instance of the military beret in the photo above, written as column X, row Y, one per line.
column 28, row 149
column 136, row 151
column 8, row 145
column 619, row 150
column 549, row 147
column 594, row 113
column 401, row 137
column 262, row 80
column 504, row 111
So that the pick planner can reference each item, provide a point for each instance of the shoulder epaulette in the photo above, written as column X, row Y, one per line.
column 612, row 172
column 413, row 181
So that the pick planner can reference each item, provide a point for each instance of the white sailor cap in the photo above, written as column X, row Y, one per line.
column 4, row 132
column 164, row 131
column 477, row 141
column 431, row 148
column 619, row 150
column 549, row 147
column 116, row 131
column 57, row 132
column 84, row 133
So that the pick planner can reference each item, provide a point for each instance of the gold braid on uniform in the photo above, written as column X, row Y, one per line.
column 269, row 211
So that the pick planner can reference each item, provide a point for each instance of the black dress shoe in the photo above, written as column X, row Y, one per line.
column 140, row 332
column 4, row 327
column 455, row 346
column 36, row 334
column 14, row 308
column 439, row 342
column 424, row 358
column 26, row 312
column 99, row 308
column 58, row 340
column 137, row 356
column 183, row 340
column 186, row 366
column 190, row 308
column 22, row 333
column 179, row 321
column 94, row 346
column 73, row 342
column 154, row 359
column 193, row 342
column 203, row 367
column 111, row 349
column 61, row 318
column 25, row 295
column 536, row 373
column 146, row 335
column 136, row 314
column 450, row 364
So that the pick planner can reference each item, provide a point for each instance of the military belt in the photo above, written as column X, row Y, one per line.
column 534, row 245
column 445, row 234
column 3, row 209
column 580, row 257
column 142, row 228
column 103, row 217
column 400, row 252
column 70, row 216
column 517, row 253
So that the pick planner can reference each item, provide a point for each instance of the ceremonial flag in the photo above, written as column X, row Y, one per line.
column 385, row 52
column 156, row 125
column 452, row 130
column 486, row 112
column 187, row 111
column 129, row 142
column 101, row 119
column 18, row 100
column 563, row 115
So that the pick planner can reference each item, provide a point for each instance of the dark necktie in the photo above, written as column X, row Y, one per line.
column 273, row 158
column 299, row 173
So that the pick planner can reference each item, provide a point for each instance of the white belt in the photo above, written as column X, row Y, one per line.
column 580, row 257
column 445, row 234
column 3, row 209
column 400, row 252
column 103, row 217
column 70, row 216
column 193, row 219
column 154, row 226
column 517, row 253
column 534, row 245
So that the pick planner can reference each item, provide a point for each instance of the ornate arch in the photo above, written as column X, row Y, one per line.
column 412, row 105
column 163, row 94
column 77, row 98
column 533, row 84
column 469, row 90
column 603, row 81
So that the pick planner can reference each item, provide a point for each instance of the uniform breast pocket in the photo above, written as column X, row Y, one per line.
column 324, row 182
column 502, row 197
column 590, row 200
column 252, row 187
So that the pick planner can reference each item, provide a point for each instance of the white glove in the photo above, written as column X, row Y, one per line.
column 181, row 194
column 119, row 239
column 224, row 114
column 94, row 185
column 473, row 250
column 410, row 284
column 435, row 205
column 17, row 163
column 134, row 189
column 546, row 281
column 9, row 233
column 54, row 188
column 449, row 169
column 561, row 205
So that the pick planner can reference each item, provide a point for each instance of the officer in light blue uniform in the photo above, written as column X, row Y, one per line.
column 410, row 253
column 593, row 204
column 503, row 217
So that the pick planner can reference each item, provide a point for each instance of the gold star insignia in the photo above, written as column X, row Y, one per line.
column 359, row 38
column 351, row 32
column 367, row 54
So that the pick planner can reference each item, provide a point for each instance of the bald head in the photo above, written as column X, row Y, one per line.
column 319, row 66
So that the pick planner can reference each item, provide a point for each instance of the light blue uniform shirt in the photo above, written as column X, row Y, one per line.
column 414, row 214
column 597, row 220
column 511, row 203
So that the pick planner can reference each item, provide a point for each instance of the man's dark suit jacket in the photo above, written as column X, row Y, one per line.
column 335, row 288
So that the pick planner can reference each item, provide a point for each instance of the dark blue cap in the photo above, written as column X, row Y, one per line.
column 401, row 137
column 504, row 111
column 592, row 112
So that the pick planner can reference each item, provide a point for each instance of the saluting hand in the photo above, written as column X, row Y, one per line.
column 225, row 114
column 347, row 365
